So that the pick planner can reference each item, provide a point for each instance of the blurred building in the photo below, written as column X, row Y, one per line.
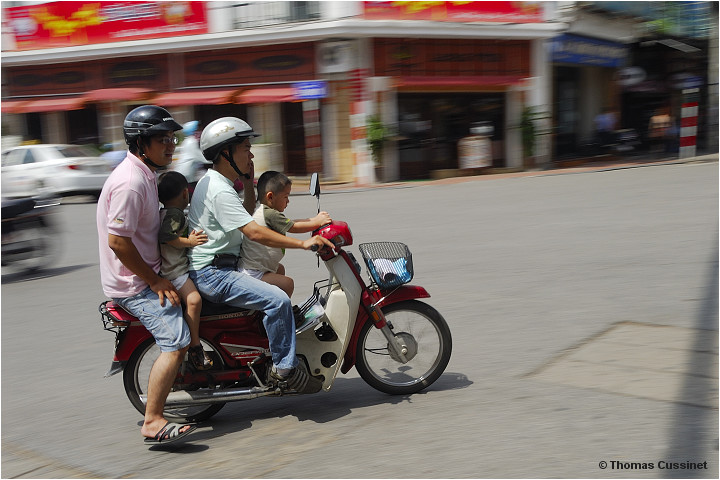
column 311, row 76
column 633, row 58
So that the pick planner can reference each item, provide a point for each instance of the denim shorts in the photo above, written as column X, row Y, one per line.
column 165, row 323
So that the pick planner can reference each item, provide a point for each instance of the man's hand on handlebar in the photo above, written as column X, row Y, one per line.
column 317, row 242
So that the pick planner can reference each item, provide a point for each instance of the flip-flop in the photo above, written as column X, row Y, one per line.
column 170, row 433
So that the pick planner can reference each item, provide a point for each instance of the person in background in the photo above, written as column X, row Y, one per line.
column 190, row 162
column 128, row 220
column 659, row 130
column 174, row 241
column 605, row 126
column 263, row 262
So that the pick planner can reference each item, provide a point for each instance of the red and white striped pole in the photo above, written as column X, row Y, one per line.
column 688, row 123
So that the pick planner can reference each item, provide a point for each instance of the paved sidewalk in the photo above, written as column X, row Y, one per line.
column 601, row 164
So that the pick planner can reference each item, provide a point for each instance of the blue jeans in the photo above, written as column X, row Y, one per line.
column 166, row 323
column 228, row 286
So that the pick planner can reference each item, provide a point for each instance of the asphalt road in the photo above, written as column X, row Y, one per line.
column 585, row 323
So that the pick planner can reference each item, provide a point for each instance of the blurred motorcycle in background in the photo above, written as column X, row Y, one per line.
column 30, row 240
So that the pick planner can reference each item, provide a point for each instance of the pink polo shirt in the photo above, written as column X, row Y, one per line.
column 128, row 207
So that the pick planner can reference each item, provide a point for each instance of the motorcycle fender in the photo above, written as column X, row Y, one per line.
column 400, row 294
column 128, row 341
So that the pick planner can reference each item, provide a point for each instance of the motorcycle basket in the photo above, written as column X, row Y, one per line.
column 390, row 263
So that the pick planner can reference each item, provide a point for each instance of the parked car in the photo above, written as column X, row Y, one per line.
column 32, row 170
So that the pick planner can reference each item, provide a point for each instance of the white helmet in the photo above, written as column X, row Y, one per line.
column 223, row 132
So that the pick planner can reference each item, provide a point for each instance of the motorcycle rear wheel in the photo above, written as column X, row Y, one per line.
column 429, row 342
column 135, row 379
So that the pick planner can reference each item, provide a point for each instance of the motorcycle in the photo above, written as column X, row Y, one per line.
column 398, row 344
column 29, row 237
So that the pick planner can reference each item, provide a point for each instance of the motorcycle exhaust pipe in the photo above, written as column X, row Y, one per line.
column 184, row 398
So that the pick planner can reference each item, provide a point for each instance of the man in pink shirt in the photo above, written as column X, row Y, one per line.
column 128, row 221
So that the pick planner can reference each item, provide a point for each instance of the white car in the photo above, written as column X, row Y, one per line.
column 32, row 170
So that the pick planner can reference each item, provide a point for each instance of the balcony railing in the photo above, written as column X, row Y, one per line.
column 261, row 14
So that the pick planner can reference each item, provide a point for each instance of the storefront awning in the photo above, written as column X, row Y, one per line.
column 195, row 97
column 116, row 94
column 267, row 95
column 457, row 83
column 52, row 105
column 13, row 106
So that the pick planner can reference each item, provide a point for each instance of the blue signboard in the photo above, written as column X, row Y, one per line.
column 310, row 90
column 569, row 48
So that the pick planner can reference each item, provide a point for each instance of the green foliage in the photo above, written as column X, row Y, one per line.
column 529, row 129
column 377, row 135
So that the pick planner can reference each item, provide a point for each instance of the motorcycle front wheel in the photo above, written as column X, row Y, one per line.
column 137, row 373
column 427, row 336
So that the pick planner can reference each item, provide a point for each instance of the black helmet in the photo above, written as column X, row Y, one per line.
column 146, row 121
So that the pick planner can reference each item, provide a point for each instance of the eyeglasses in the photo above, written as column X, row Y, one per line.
column 167, row 140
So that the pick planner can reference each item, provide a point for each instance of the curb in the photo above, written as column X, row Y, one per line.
column 588, row 167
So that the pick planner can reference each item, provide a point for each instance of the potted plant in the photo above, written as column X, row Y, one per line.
column 377, row 135
column 529, row 132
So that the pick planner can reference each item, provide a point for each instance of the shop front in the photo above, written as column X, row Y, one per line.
column 266, row 85
column 443, row 87
column 585, row 72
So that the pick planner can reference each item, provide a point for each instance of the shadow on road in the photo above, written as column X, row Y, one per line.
column 691, row 425
column 346, row 395
column 39, row 274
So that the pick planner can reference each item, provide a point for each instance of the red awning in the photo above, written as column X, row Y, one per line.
column 52, row 105
column 195, row 97
column 116, row 94
column 459, row 82
column 267, row 95
column 13, row 106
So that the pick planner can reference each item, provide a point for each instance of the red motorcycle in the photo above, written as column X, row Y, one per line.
column 398, row 344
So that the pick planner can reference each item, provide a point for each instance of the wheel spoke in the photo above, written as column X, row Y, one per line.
column 425, row 334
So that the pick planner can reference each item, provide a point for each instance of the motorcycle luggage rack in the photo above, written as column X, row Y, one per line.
column 112, row 323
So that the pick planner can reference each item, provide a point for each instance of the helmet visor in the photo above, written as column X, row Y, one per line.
column 166, row 126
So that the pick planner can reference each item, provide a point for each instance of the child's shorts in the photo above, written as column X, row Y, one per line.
column 180, row 281
column 253, row 273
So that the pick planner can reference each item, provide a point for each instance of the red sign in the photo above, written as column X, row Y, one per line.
column 63, row 24
column 491, row 11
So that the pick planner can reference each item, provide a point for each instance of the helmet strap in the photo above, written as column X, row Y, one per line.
column 227, row 155
column 146, row 160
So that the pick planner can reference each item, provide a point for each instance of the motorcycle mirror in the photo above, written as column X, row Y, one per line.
column 315, row 185
column 315, row 188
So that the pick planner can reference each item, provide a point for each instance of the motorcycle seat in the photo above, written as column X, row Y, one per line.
column 210, row 308
column 13, row 207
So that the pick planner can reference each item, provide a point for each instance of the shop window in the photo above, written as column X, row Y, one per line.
column 82, row 126
column 430, row 126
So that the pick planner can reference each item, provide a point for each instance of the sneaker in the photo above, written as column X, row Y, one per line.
column 298, row 379
column 199, row 358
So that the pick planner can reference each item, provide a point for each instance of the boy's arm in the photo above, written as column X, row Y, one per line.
column 310, row 224
column 192, row 240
